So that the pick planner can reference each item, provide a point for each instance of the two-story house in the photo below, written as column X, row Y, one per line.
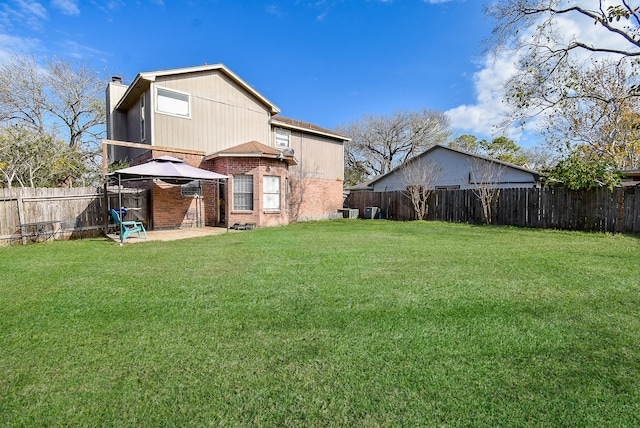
column 280, row 169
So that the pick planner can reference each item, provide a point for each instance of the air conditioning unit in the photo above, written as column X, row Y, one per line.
column 349, row 212
column 371, row 212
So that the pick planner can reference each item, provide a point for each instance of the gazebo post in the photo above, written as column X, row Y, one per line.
column 120, row 209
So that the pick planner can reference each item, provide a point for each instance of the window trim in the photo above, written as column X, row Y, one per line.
column 284, row 131
column 265, row 194
column 237, row 192
column 168, row 91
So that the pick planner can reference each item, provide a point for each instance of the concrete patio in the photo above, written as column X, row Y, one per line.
column 171, row 234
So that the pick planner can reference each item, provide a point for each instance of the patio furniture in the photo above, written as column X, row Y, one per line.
column 244, row 226
column 128, row 227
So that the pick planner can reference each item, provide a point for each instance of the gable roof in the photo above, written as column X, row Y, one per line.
column 299, row 125
column 143, row 80
column 253, row 149
column 368, row 184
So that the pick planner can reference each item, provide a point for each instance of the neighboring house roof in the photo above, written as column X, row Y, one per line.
column 631, row 173
column 253, row 149
column 368, row 185
column 299, row 125
column 630, row 177
column 143, row 80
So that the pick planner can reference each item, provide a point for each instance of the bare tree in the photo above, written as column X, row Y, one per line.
column 551, row 56
column 62, row 99
column 618, row 20
column 601, row 119
column 380, row 143
column 299, row 181
column 76, row 99
column 485, row 175
column 297, row 187
column 22, row 93
column 419, row 177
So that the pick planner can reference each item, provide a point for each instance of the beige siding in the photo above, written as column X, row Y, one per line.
column 222, row 114
column 318, row 157
column 116, row 121
column 133, row 133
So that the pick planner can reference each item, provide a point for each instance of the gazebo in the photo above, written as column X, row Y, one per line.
column 165, row 168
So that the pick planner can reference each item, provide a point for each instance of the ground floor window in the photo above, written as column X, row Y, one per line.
column 271, row 185
column 243, row 192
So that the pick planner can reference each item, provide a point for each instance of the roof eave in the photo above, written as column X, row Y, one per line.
column 135, row 90
column 275, row 121
column 290, row 160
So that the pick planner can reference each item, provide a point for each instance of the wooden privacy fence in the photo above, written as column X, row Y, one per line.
column 74, row 212
column 601, row 210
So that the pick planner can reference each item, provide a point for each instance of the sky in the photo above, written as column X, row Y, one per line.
column 328, row 62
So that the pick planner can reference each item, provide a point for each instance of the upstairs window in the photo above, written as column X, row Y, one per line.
column 282, row 138
column 173, row 102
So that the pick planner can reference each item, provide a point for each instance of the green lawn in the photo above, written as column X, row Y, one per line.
column 341, row 323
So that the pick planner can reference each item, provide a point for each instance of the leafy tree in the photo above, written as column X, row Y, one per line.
column 467, row 143
column 501, row 148
column 31, row 159
column 380, row 143
column 355, row 171
column 581, row 170
column 504, row 149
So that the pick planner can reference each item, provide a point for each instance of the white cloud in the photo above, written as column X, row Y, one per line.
column 274, row 10
column 11, row 45
column 68, row 7
column 488, row 112
column 31, row 9
column 485, row 116
column 21, row 13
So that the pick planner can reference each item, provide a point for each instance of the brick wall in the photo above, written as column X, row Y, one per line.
column 172, row 210
column 314, row 199
column 309, row 199
column 258, row 168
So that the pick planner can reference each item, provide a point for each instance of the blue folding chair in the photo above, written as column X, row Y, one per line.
column 128, row 227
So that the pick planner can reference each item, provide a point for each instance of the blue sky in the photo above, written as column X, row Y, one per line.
column 327, row 62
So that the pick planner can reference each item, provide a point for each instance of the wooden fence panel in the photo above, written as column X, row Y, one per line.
column 631, row 210
column 77, row 212
column 552, row 208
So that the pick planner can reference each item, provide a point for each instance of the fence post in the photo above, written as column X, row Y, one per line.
column 20, row 210
column 620, row 219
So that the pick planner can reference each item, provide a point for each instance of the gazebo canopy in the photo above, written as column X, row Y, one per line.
column 165, row 168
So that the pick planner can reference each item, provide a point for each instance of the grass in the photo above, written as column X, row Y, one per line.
column 341, row 323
